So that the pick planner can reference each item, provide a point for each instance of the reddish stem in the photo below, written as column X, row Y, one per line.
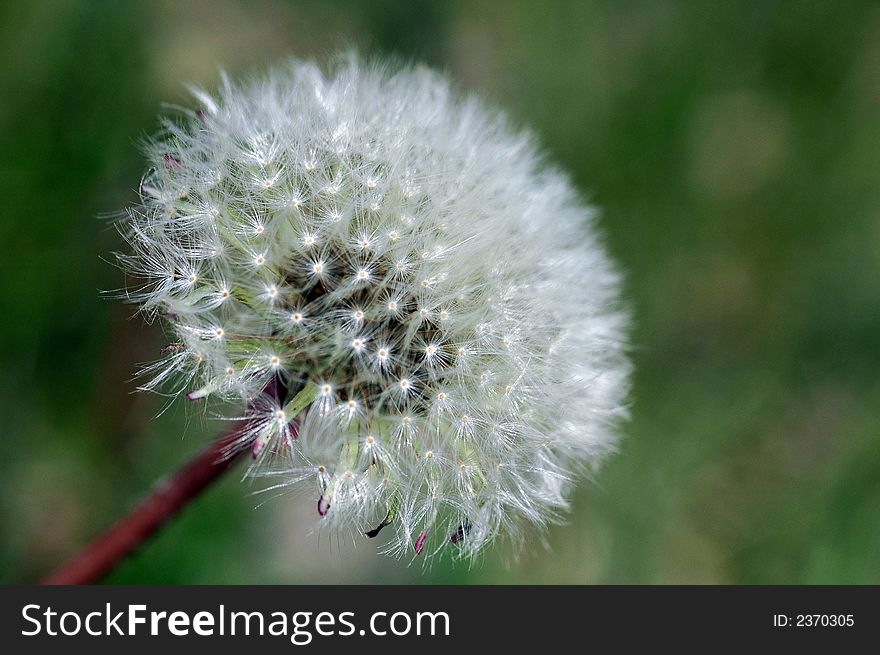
column 98, row 558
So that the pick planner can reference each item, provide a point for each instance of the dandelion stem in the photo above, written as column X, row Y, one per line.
column 97, row 559
column 91, row 564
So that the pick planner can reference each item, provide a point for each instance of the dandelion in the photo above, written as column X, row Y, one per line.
column 431, row 297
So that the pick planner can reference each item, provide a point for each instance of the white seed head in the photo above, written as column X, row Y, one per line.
column 370, row 232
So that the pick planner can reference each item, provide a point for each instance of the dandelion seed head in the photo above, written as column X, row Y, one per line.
column 370, row 231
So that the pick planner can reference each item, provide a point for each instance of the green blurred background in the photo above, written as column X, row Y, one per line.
column 734, row 150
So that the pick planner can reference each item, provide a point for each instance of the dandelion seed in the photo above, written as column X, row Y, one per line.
column 420, row 542
column 460, row 533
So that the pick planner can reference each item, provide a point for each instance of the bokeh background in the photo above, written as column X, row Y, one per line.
column 734, row 150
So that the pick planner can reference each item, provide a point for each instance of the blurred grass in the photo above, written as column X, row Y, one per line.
column 734, row 149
